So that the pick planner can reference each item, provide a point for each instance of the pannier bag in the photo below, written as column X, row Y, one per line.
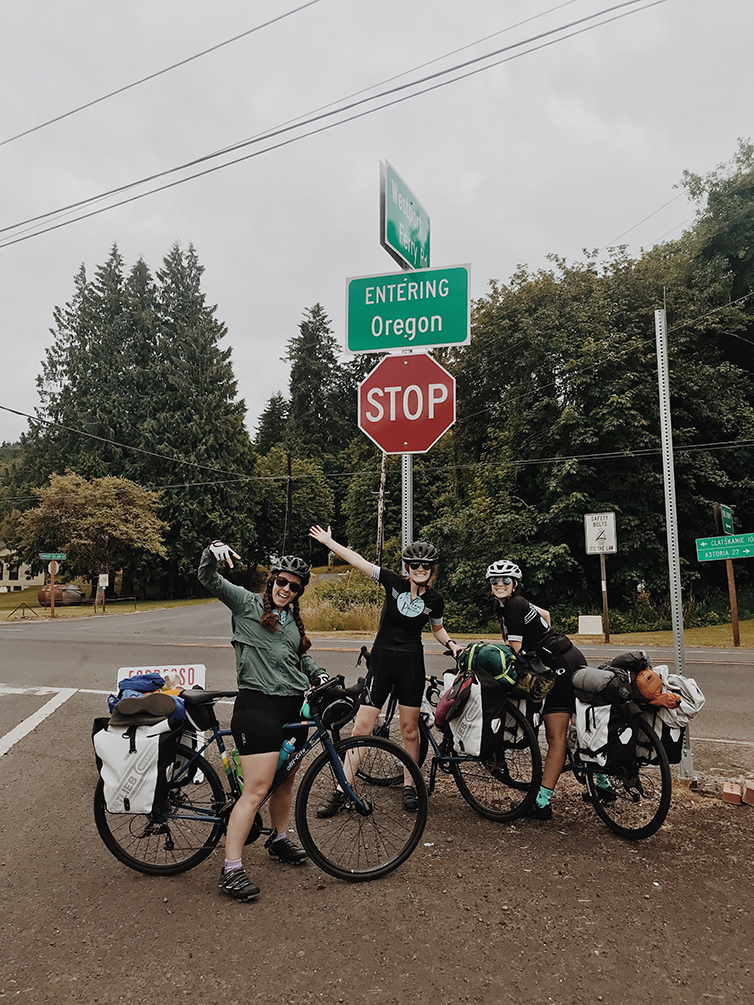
column 605, row 734
column 595, row 686
column 479, row 730
column 670, row 723
column 135, row 763
column 669, row 735
column 495, row 658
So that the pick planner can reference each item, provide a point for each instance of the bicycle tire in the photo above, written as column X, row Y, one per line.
column 393, row 771
column 503, row 785
column 642, row 790
column 351, row 845
column 167, row 842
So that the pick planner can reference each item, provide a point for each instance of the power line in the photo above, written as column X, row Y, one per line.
column 272, row 134
column 158, row 73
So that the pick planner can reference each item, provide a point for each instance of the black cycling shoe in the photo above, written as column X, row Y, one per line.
column 541, row 812
column 285, row 850
column 237, row 885
column 605, row 796
column 333, row 804
column 410, row 799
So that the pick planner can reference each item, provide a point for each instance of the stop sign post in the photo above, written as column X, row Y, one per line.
column 406, row 403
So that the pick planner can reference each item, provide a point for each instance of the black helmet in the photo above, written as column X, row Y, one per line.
column 420, row 551
column 296, row 567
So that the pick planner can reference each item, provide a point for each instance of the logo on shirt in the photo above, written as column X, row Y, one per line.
column 408, row 607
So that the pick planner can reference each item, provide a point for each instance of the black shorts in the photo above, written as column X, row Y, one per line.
column 561, row 698
column 397, row 668
column 258, row 720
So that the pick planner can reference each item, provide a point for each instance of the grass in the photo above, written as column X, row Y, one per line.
column 10, row 601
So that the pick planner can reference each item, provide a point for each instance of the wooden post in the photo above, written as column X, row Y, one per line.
column 605, row 615
column 731, row 582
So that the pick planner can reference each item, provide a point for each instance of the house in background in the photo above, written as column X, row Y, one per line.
column 15, row 577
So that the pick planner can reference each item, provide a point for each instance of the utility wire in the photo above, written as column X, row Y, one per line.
column 158, row 73
column 325, row 115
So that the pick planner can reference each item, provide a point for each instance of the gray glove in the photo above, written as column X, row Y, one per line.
column 222, row 552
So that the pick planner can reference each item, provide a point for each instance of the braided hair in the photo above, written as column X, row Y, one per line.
column 271, row 619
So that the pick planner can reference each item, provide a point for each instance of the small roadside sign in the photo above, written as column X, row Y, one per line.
column 726, row 515
column 404, row 223
column 599, row 533
column 713, row 549
column 52, row 556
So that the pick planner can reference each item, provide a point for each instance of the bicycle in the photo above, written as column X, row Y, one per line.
column 369, row 837
column 636, row 802
column 501, row 786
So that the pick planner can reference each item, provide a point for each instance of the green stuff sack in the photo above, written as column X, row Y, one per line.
column 495, row 658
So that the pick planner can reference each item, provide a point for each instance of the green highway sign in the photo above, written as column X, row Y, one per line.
column 726, row 515
column 404, row 224
column 52, row 556
column 408, row 310
column 713, row 549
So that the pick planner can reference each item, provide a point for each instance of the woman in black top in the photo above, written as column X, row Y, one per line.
column 397, row 657
column 525, row 626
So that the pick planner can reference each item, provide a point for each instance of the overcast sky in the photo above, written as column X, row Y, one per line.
column 565, row 148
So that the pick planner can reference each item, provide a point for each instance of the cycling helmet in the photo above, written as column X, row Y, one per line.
column 420, row 551
column 504, row 568
column 296, row 566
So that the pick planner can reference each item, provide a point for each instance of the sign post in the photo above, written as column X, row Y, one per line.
column 724, row 522
column 599, row 536
column 53, row 557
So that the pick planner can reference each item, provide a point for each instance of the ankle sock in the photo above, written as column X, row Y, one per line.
column 230, row 866
column 544, row 796
column 279, row 836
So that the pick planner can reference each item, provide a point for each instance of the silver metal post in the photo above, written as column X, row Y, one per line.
column 674, row 561
column 407, row 507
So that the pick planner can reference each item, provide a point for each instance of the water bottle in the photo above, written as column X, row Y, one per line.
column 236, row 758
column 286, row 750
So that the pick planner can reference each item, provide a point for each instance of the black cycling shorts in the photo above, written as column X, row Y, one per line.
column 397, row 668
column 258, row 720
column 561, row 698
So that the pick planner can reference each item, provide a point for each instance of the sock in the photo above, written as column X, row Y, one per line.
column 278, row 836
column 602, row 781
column 230, row 866
column 544, row 796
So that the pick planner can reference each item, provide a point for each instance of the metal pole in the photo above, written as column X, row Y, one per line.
column 407, row 507
column 52, row 589
column 674, row 560
column 381, row 510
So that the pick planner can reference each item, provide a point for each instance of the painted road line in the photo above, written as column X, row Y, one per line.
column 25, row 727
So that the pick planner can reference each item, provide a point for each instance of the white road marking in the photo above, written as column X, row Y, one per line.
column 30, row 723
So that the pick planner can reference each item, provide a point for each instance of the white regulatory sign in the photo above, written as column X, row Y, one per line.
column 599, row 533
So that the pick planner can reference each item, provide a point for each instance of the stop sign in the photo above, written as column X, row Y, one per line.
column 406, row 403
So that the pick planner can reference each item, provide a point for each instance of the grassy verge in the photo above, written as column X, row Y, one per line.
column 10, row 601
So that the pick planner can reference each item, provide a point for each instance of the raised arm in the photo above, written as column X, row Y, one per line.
column 325, row 538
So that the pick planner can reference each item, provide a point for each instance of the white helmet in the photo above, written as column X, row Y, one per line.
column 504, row 568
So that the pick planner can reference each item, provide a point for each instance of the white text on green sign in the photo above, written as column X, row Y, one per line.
column 726, row 515
column 404, row 223
column 429, row 307
column 713, row 549
column 52, row 556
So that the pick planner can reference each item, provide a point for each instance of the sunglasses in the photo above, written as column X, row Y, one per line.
column 501, row 580
column 284, row 583
column 421, row 565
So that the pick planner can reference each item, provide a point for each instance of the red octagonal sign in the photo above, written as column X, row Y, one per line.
column 406, row 403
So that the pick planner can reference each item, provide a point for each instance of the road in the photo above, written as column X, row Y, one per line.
column 524, row 914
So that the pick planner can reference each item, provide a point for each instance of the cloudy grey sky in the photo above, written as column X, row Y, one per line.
column 564, row 148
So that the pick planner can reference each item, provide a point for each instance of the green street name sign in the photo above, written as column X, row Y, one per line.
column 726, row 515
column 52, row 556
column 713, row 549
column 404, row 224
column 408, row 310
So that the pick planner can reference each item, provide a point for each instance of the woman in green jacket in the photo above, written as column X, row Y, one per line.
column 273, row 671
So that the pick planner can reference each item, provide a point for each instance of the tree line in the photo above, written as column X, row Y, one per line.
column 558, row 416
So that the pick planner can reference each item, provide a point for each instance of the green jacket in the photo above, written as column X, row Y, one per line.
column 264, row 662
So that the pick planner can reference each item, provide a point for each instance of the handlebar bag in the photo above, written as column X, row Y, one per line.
column 135, row 763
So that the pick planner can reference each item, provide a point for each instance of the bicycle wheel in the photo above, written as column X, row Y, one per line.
column 176, row 836
column 641, row 791
column 354, row 845
column 392, row 770
column 504, row 785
